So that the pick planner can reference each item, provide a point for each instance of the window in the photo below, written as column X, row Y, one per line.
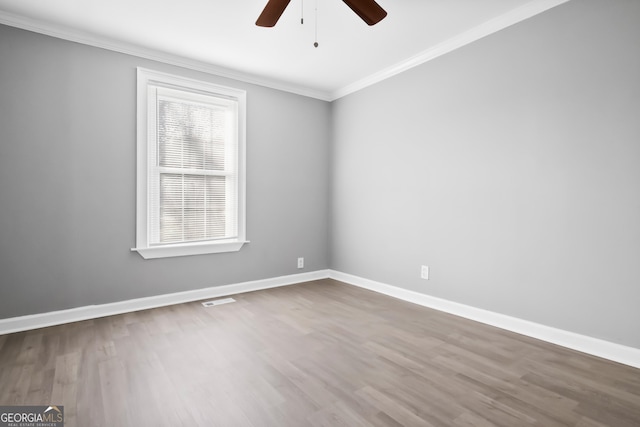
column 191, row 169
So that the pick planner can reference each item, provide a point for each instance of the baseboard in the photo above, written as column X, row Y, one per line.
column 585, row 344
column 42, row 320
column 596, row 347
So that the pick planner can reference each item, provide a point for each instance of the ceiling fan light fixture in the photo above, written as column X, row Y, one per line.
column 368, row 10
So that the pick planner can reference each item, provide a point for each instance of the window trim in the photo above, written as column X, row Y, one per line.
column 146, row 77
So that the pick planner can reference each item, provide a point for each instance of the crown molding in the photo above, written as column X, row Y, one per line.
column 519, row 14
column 70, row 34
column 492, row 26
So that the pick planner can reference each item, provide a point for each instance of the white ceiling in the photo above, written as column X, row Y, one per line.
column 220, row 35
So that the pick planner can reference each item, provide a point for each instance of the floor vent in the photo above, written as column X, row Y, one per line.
column 218, row 302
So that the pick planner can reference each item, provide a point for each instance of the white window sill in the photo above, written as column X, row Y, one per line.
column 190, row 249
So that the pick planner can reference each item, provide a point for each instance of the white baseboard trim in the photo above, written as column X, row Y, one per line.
column 43, row 320
column 593, row 346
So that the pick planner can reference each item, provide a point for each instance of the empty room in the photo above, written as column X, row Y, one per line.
column 320, row 213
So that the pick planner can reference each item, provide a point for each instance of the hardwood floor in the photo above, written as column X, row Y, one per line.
column 316, row 354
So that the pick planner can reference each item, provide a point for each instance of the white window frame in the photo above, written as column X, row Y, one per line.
column 147, row 80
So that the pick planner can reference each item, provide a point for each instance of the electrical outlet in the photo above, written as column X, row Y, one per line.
column 300, row 262
column 424, row 273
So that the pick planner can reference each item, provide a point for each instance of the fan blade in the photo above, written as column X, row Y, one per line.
column 368, row 10
column 271, row 13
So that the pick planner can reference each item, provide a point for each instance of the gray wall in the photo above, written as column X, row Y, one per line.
column 511, row 167
column 67, row 182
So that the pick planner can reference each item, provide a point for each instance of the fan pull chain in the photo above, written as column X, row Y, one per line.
column 301, row 12
column 315, row 44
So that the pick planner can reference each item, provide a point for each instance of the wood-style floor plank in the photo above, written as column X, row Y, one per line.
column 315, row 354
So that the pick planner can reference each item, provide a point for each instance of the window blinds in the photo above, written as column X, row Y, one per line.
column 193, row 179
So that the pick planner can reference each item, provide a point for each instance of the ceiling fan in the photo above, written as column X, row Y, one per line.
column 368, row 10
